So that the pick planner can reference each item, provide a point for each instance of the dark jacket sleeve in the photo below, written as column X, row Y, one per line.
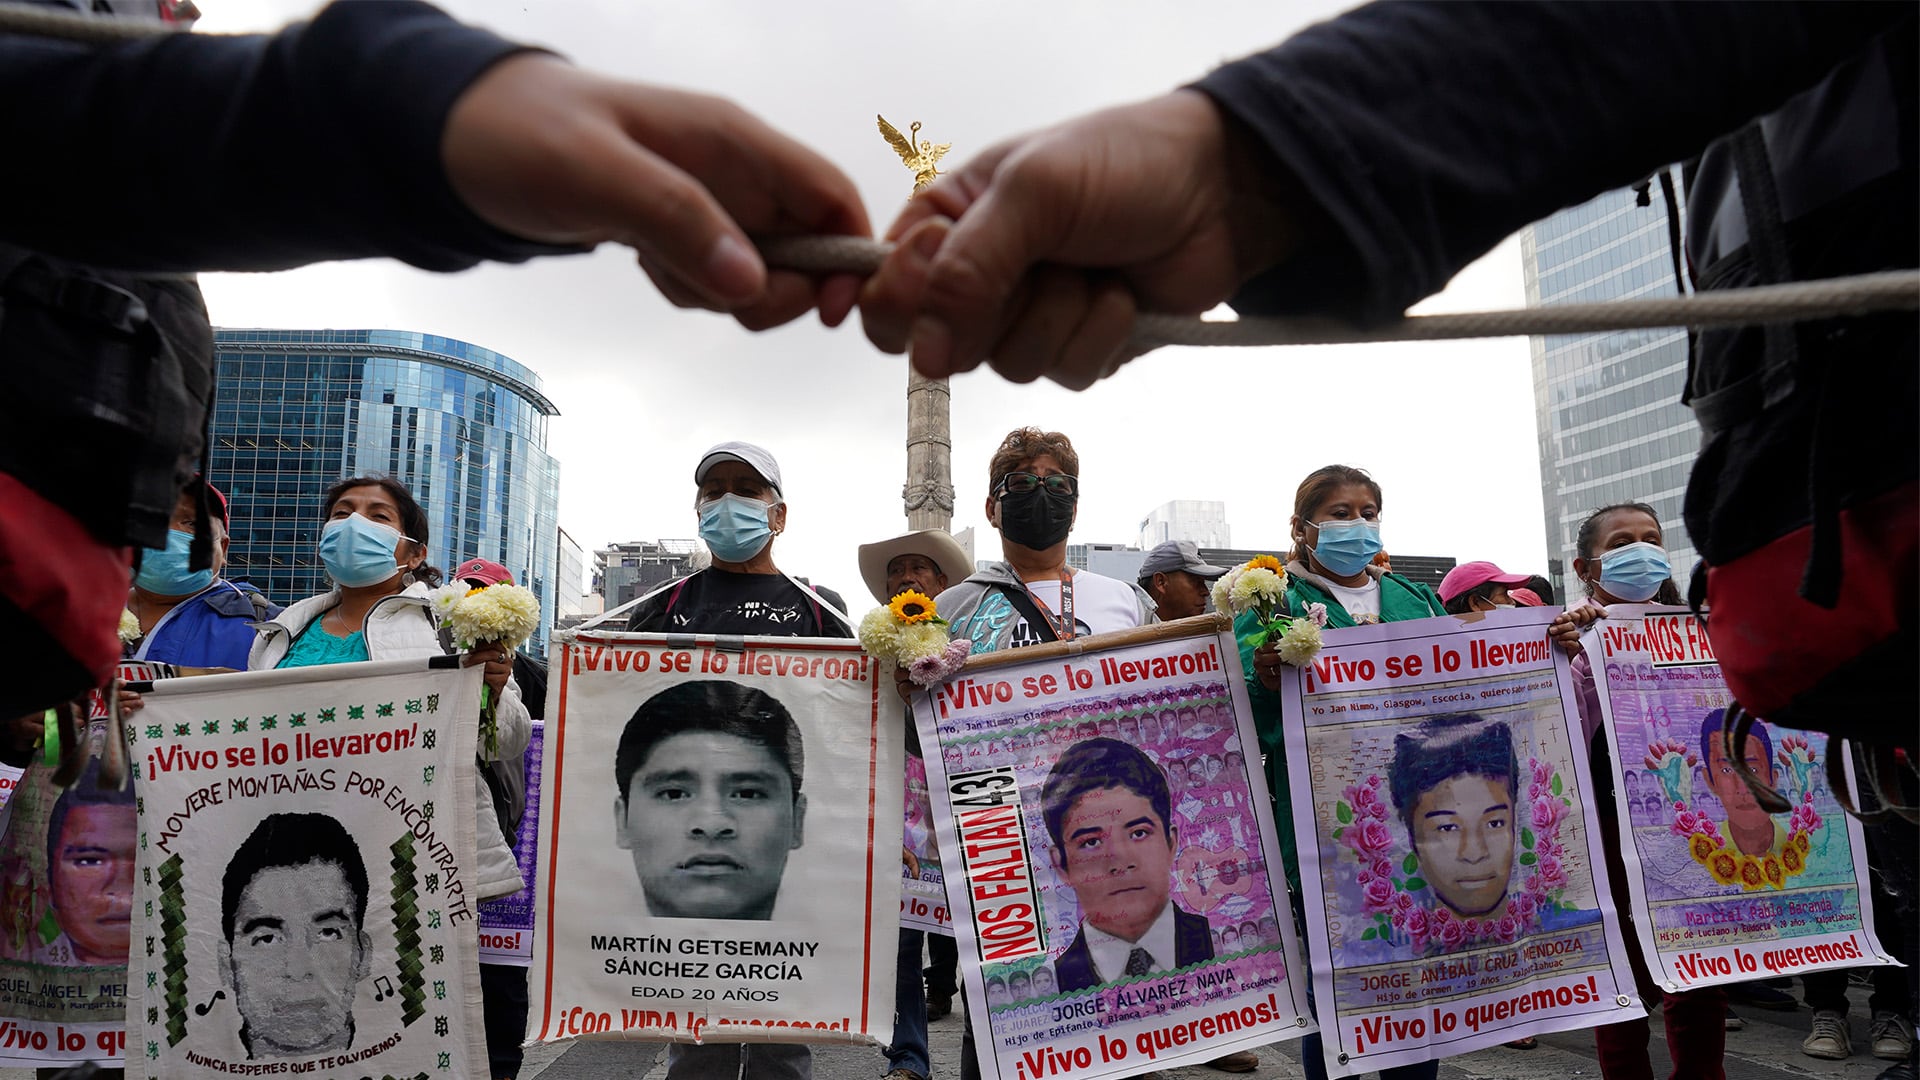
column 1427, row 131
column 205, row 152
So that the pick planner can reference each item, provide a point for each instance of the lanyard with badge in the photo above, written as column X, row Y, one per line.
column 1063, row 627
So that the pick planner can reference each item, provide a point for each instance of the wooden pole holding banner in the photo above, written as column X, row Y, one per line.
column 1212, row 622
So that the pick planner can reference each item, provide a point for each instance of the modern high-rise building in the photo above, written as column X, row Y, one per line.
column 569, row 578
column 624, row 571
column 1198, row 520
column 464, row 428
column 1610, row 423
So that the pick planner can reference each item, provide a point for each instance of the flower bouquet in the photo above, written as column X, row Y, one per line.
column 1260, row 586
column 910, row 633
column 504, row 615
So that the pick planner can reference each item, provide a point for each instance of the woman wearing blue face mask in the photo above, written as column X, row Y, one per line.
column 374, row 546
column 1336, row 534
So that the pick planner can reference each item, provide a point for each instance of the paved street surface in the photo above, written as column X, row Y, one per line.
column 1768, row 1048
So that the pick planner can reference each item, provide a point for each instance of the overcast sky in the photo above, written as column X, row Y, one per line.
column 643, row 388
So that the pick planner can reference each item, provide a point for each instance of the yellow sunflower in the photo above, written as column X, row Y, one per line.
column 1803, row 843
column 1724, row 867
column 912, row 606
column 1702, row 847
column 1266, row 562
column 1770, row 869
column 1791, row 860
column 1750, row 875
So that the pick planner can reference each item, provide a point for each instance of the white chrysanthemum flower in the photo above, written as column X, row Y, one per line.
column 1299, row 644
column 880, row 634
column 129, row 627
column 921, row 640
column 1258, row 587
column 442, row 599
column 507, row 614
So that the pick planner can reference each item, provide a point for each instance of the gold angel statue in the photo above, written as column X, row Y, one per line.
column 921, row 157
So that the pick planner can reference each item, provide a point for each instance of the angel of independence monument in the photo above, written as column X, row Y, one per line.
column 928, row 492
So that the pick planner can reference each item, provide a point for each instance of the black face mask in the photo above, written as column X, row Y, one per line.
column 1036, row 519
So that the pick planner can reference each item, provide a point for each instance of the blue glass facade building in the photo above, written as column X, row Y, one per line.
column 1610, row 423
column 464, row 427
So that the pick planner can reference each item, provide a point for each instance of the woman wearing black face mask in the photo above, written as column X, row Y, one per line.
column 1033, row 596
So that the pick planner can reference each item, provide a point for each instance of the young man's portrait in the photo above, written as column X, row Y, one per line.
column 1454, row 784
column 707, row 779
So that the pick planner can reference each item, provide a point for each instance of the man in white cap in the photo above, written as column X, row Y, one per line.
column 741, row 509
column 925, row 562
column 1177, row 578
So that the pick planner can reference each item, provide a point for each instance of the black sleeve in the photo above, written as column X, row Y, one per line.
column 650, row 615
column 1428, row 131
column 205, row 152
column 830, row 626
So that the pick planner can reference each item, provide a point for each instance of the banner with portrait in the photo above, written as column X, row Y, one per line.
column 506, row 922
column 304, row 899
column 1449, row 850
column 1723, row 891
column 66, row 888
column 1110, row 854
column 923, row 883
column 733, row 807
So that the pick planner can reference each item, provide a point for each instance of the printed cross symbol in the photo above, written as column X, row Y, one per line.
column 211, row 727
column 413, row 706
column 182, row 730
column 239, row 726
column 356, row 712
column 383, row 710
column 267, row 721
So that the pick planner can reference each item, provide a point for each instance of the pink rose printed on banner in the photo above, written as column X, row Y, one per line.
column 1402, row 905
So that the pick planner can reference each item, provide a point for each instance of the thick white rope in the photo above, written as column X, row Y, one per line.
column 1896, row 290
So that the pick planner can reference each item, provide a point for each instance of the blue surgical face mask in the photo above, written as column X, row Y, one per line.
column 1347, row 547
column 735, row 528
column 1635, row 572
column 163, row 571
column 359, row 552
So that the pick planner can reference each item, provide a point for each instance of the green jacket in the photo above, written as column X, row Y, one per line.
column 1400, row 601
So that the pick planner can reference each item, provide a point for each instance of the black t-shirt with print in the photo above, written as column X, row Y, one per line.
column 722, row 602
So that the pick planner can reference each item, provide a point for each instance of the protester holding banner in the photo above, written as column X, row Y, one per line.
column 1620, row 558
column 741, row 510
column 194, row 618
column 923, row 561
column 1336, row 536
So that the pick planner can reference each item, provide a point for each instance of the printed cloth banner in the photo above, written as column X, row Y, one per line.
column 305, row 898
column 1722, row 890
column 923, row 895
column 1111, row 855
column 506, row 923
column 1449, row 849
column 721, row 858
column 66, row 888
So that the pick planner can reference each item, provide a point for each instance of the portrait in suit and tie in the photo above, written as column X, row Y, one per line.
column 1106, row 805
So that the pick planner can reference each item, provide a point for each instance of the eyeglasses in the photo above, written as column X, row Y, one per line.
column 1019, row 483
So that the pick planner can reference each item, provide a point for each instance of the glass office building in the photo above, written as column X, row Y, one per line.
column 465, row 429
column 1610, row 422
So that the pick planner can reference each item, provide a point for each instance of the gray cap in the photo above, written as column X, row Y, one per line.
column 753, row 457
column 1178, row 555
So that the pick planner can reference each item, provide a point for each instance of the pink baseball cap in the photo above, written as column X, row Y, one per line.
column 1526, row 598
column 1469, row 576
column 490, row 573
